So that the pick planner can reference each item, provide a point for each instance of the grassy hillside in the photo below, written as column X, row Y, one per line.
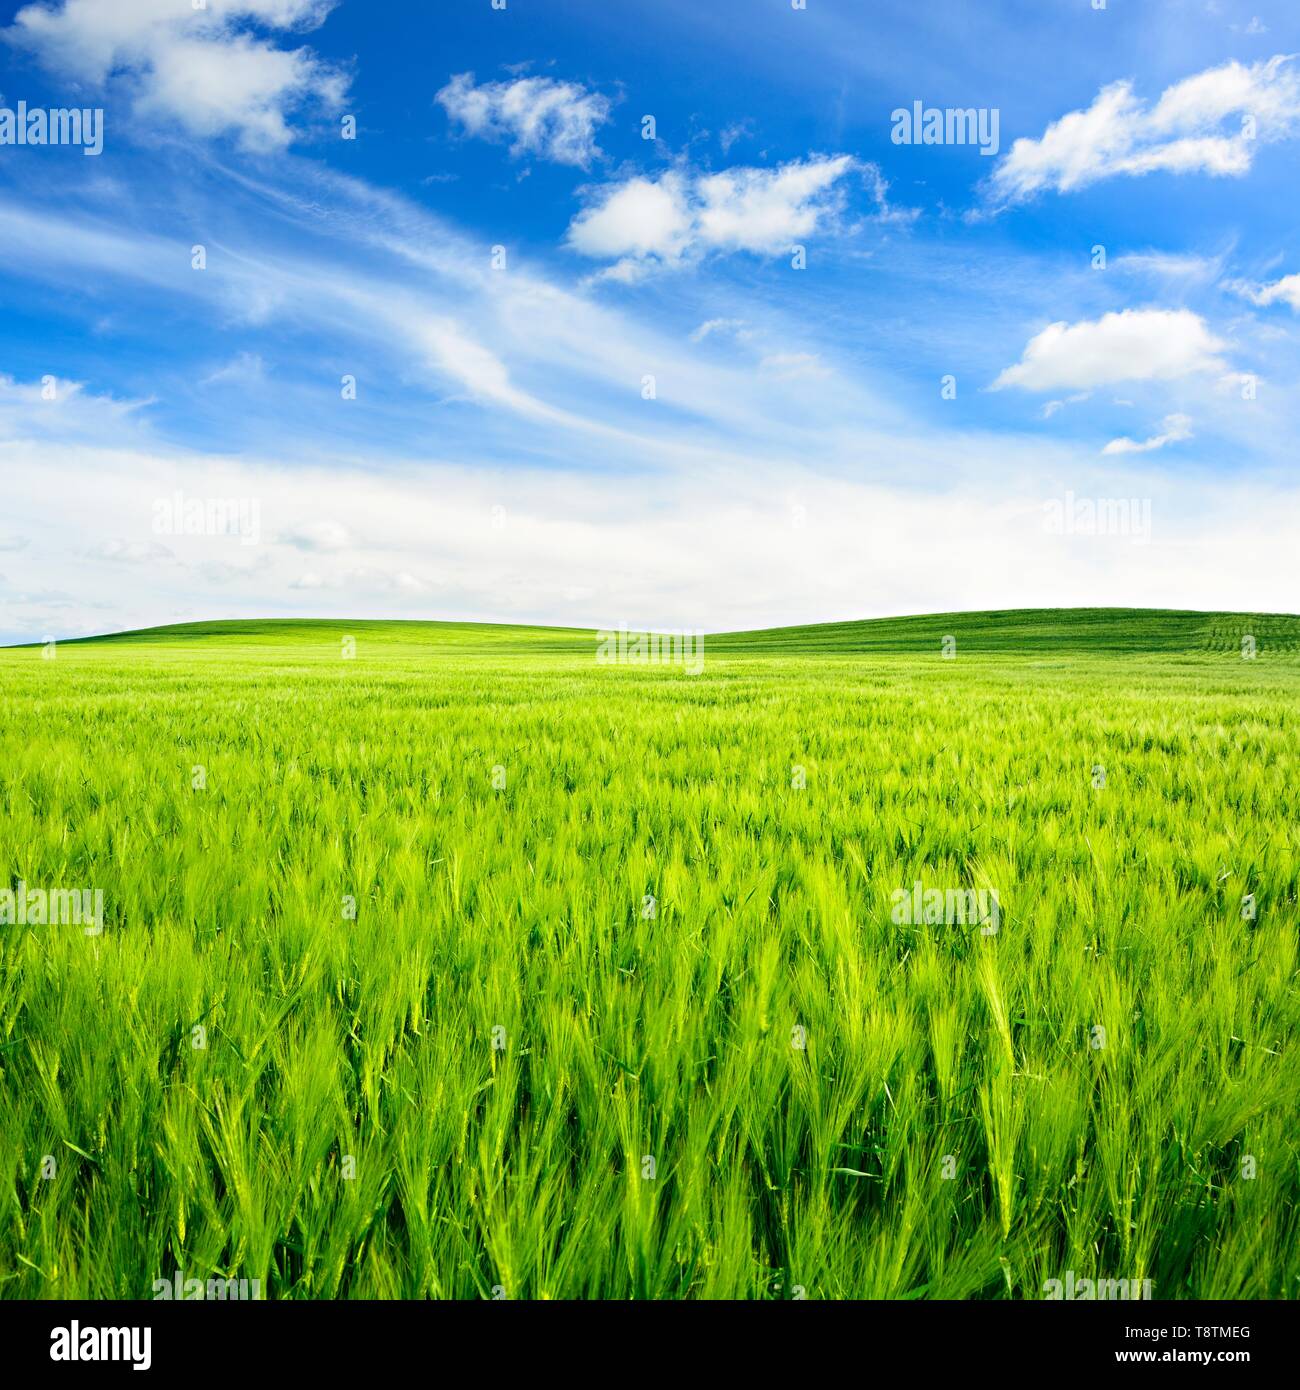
column 1013, row 631
column 1032, row 630
column 466, row 964
column 328, row 631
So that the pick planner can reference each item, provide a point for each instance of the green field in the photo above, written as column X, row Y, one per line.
column 624, row 1009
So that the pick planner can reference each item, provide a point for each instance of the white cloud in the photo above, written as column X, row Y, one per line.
column 198, row 67
column 1286, row 290
column 525, row 328
column 227, row 571
column 646, row 224
column 1176, row 428
column 317, row 535
column 711, row 326
column 1199, row 125
column 537, row 115
column 1164, row 265
column 56, row 406
column 886, row 213
column 787, row 365
column 1238, row 381
column 712, row 547
column 123, row 552
column 738, row 130
column 640, row 220
column 1052, row 407
column 1135, row 345
column 765, row 210
column 363, row 579
column 244, row 369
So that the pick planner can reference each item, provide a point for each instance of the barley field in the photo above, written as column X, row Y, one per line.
column 458, row 965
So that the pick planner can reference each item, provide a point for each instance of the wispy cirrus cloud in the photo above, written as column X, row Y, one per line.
column 731, row 327
column 1171, row 267
column 535, row 115
column 54, row 407
column 1175, row 429
column 520, row 347
column 1284, row 291
column 1210, row 123
column 790, row 365
column 243, row 370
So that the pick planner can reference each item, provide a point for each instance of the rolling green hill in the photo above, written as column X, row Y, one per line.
column 288, row 631
column 1010, row 631
column 1024, row 630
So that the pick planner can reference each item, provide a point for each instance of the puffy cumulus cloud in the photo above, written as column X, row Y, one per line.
column 764, row 210
column 1210, row 123
column 536, row 115
column 644, row 224
column 212, row 70
column 1134, row 345
column 1175, row 429
column 640, row 222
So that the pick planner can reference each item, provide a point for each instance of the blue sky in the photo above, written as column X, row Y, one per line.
column 771, row 365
